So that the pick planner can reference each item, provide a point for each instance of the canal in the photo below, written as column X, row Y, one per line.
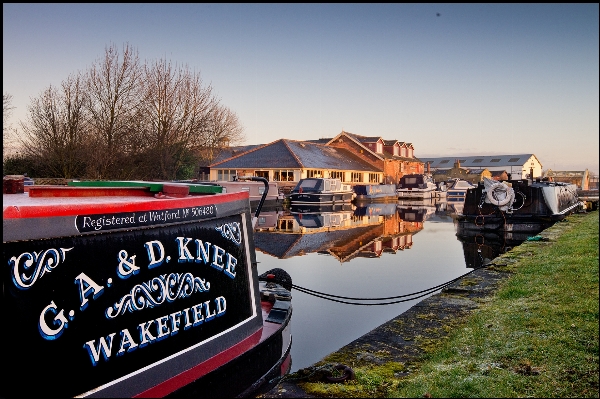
column 372, row 251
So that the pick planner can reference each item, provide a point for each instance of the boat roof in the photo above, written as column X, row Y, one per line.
column 82, row 198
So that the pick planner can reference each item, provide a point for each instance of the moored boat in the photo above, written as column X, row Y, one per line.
column 457, row 190
column 142, row 289
column 518, row 205
column 419, row 186
column 315, row 190
column 374, row 192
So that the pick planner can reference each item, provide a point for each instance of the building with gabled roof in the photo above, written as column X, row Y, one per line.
column 351, row 158
column 394, row 158
column 519, row 166
column 291, row 160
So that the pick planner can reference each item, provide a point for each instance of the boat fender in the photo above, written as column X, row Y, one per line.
column 347, row 374
column 500, row 187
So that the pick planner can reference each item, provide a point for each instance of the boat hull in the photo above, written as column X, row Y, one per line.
column 416, row 194
column 537, row 206
column 375, row 192
column 321, row 198
column 134, row 296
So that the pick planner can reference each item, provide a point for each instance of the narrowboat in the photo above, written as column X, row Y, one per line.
column 374, row 192
column 518, row 205
column 138, row 289
column 419, row 186
column 311, row 191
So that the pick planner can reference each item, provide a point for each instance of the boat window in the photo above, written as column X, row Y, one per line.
column 309, row 185
column 410, row 180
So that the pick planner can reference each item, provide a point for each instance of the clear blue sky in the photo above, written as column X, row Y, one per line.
column 478, row 79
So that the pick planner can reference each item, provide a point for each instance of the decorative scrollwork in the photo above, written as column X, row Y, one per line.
column 29, row 267
column 231, row 231
column 155, row 292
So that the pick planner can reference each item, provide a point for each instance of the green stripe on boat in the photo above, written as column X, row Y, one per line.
column 154, row 187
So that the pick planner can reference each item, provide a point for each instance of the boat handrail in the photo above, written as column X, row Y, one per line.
column 262, row 199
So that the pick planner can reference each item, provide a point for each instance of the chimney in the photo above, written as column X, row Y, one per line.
column 457, row 163
column 428, row 171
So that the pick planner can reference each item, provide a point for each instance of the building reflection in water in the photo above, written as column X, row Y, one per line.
column 369, row 230
column 344, row 232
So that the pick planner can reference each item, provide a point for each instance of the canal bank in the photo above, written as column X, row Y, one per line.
column 398, row 347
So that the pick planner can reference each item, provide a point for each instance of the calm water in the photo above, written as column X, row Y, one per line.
column 379, row 251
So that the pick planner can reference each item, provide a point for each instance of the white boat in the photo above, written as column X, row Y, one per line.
column 457, row 190
column 419, row 186
column 313, row 190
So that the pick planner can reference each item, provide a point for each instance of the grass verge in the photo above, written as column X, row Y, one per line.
column 537, row 337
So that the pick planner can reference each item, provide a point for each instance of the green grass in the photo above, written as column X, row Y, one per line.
column 537, row 337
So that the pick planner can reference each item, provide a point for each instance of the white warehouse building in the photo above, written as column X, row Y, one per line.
column 519, row 166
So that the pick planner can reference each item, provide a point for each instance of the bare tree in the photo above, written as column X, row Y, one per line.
column 7, row 131
column 55, row 128
column 177, row 108
column 223, row 130
column 115, row 92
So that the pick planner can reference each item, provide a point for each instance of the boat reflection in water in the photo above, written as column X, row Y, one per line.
column 420, row 210
column 342, row 231
column 481, row 247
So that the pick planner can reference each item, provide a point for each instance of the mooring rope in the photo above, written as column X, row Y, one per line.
column 406, row 297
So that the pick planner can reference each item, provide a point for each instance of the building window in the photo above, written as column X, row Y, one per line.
column 373, row 177
column 495, row 160
column 379, row 148
column 444, row 161
column 462, row 160
column 357, row 177
column 262, row 173
column 478, row 160
column 314, row 173
column 283, row 175
column 513, row 160
column 226, row 174
column 335, row 174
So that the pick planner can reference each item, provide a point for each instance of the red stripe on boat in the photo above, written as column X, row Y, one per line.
column 139, row 204
column 202, row 369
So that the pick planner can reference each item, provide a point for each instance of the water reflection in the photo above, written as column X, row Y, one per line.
column 481, row 248
column 385, row 250
column 346, row 233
